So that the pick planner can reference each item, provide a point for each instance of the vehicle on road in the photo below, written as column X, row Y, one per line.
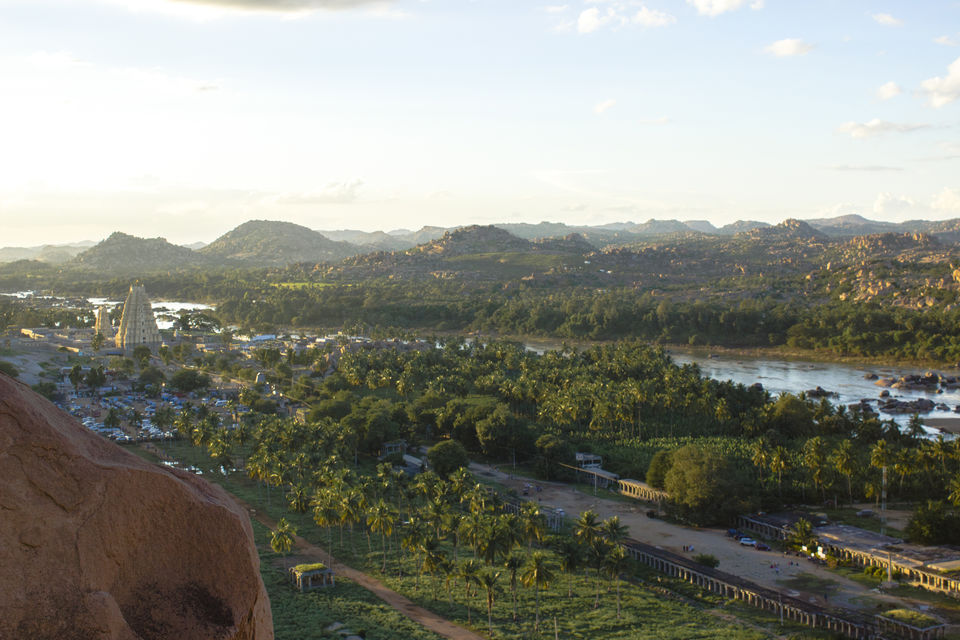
column 748, row 542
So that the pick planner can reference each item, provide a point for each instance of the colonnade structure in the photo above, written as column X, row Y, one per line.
column 932, row 568
column 845, row 622
column 841, row 621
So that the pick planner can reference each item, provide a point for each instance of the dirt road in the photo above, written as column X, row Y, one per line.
column 306, row 551
column 796, row 577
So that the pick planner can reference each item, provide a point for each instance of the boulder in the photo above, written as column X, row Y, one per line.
column 97, row 544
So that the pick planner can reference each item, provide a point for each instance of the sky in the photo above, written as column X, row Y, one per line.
column 185, row 118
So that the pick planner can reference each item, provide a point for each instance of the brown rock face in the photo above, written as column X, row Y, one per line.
column 96, row 543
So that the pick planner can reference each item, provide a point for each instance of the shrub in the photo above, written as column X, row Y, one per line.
column 707, row 560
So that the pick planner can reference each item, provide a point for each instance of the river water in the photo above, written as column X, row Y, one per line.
column 795, row 376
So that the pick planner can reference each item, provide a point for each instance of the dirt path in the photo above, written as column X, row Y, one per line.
column 308, row 551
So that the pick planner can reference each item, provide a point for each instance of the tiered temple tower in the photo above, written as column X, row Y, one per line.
column 102, row 325
column 137, row 324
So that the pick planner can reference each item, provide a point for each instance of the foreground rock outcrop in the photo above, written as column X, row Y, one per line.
column 96, row 543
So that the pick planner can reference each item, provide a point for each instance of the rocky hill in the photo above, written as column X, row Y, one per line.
column 790, row 229
column 740, row 226
column 99, row 544
column 572, row 243
column 371, row 240
column 473, row 240
column 852, row 225
column 123, row 254
column 268, row 242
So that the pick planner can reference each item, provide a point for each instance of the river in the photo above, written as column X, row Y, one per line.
column 847, row 380
column 794, row 376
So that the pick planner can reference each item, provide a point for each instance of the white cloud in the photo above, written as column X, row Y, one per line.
column 887, row 20
column 652, row 18
column 943, row 90
column 716, row 7
column 887, row 203
column 877, row 127
column 332, row 193
column 603, row 107
column 557, row 8
column 789, row 47
column 947, row 200
column 864, row 167
column 590, row 20
column 656, row 121
column 946, row 41
column 619, row 13
column 212, row 9
column 839, row 209
column 889, row 90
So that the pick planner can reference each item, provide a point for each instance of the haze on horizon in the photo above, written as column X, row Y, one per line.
column 184, row 118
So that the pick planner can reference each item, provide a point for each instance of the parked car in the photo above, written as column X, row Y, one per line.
column 761, row 547
column 748, row 542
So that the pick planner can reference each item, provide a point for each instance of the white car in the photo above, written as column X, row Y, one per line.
column 748, row 542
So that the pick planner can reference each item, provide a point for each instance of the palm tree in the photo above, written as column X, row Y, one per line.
column 760, row 456
column 496, row 539
column 488, row 580
column 815, row 458
column 414, row 535
column 471, row 529
column 297, row 498
column 598, row 550
column 468, row 571
column 844, row 462
column 779, row 462
column 613, row 531
column 538, row 575
column 903, row 466
column 954, row 489
column 381, row 520
column 571, row 555
column 433, row 562
column 533, row 523
column 586, row 527
column 448, row 568
column 613, row 564
column 940, row 450
column 513, row 564
column 802, row 534
column 281, row 540
column 325, row 513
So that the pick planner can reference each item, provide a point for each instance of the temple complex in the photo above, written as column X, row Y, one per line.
column 102, row 324
column 137, row 324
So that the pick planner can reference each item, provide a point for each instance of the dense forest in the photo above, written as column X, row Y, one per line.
column 718, row 448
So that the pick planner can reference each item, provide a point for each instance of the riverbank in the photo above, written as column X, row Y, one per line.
column 782, row 352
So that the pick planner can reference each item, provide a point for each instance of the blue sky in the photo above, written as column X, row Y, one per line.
column 182, row 118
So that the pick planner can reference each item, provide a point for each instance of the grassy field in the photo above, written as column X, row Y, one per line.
column 652, row 606
column 305, row 616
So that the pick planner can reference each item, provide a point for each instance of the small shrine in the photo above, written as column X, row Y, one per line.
column 307, row 577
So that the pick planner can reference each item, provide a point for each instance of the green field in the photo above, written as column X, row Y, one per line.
column 652, row 606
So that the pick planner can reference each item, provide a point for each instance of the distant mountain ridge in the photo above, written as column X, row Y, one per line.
column 268, row 243
column 53, row 253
